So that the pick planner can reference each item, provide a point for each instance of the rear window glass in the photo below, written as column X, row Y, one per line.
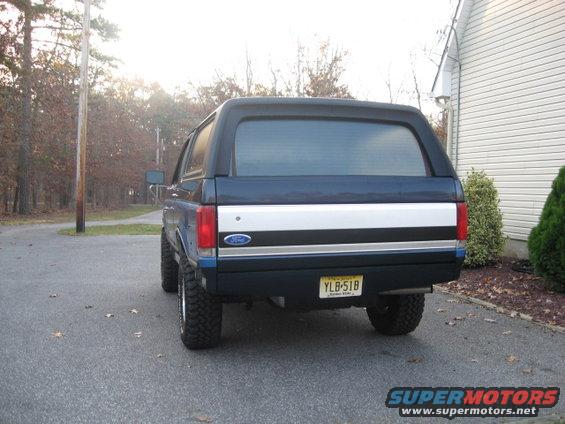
column 291, row 147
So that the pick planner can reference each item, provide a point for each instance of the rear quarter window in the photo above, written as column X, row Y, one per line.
column 294, row 147
column 196, row 159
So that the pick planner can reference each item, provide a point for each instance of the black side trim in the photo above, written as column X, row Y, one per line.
column 364, row 235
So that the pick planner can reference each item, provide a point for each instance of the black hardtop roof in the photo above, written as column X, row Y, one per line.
column 226, row 118
column 310, row 101
column 241, row 102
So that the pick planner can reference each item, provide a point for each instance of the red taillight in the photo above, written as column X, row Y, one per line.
column 206, row 227
column 462, row 221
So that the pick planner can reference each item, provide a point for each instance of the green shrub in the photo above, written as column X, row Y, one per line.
column 485, row 241
column 547, row 240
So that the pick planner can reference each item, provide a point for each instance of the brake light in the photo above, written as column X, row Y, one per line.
column 206, row 227
column 462, row 221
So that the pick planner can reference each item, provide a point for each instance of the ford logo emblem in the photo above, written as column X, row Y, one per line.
column 237, row 239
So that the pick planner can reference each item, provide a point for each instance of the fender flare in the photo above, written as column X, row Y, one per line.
column 182, row 249
column 180, row 245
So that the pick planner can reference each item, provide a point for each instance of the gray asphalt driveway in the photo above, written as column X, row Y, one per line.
column 273, row 366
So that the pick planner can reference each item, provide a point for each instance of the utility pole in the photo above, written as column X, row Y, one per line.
column 158, row 164
column 158, row 152
column 82, row 120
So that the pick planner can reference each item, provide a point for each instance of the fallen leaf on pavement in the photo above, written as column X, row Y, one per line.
column 507, row 332
column 138, row 334
column 490, row 320
column 57, row 334
column 415, row 360
column 511, row 359
column 109, row 315
column 133, row 311
column 203, row 419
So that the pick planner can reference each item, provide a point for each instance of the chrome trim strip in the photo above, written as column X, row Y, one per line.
column 336, row 248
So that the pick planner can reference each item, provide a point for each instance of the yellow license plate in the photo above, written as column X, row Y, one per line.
column 341, row 286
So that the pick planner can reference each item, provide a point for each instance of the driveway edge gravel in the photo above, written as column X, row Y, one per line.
column 500, row 309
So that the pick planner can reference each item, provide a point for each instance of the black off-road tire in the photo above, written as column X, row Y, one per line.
column 397, row 315
column 200, row 314
column 169, row 267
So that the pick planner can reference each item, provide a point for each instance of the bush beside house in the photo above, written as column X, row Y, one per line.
column 547, row 240
column 485, row 241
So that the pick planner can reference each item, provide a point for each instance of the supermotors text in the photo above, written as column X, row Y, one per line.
column 451, row 402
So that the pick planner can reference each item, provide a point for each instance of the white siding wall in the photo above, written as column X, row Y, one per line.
column 513, row 102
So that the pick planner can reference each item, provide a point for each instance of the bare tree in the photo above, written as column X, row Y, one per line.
column 299, row 70
column 248, row 73
column 393, row 94
column 274, row 90
column 417, row 91
column 293, row 82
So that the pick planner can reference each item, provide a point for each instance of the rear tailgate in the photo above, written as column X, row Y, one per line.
column 321, row 222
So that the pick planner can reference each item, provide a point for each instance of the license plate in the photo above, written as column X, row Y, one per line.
column 341, row 286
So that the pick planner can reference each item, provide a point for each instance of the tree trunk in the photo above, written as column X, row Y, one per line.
column 49, row 200
column 15, row 204
column 24, row 151
column 33, row 197
column 106, row 196
column 94, row 195
column 34, row 194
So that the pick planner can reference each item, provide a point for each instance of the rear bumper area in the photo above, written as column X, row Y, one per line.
column 239, row 264
column 289, row 278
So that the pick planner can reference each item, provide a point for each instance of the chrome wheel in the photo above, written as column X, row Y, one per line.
column 182, row 301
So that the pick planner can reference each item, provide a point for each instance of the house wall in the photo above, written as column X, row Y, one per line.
column 512, row 120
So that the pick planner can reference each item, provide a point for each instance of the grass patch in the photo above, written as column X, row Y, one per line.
column 115, row 230
column 69, row 215
column 130, row 212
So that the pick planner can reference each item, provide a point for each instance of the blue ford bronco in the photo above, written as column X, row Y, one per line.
column 310, row 204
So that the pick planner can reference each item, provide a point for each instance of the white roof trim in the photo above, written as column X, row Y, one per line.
column 442, row 81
